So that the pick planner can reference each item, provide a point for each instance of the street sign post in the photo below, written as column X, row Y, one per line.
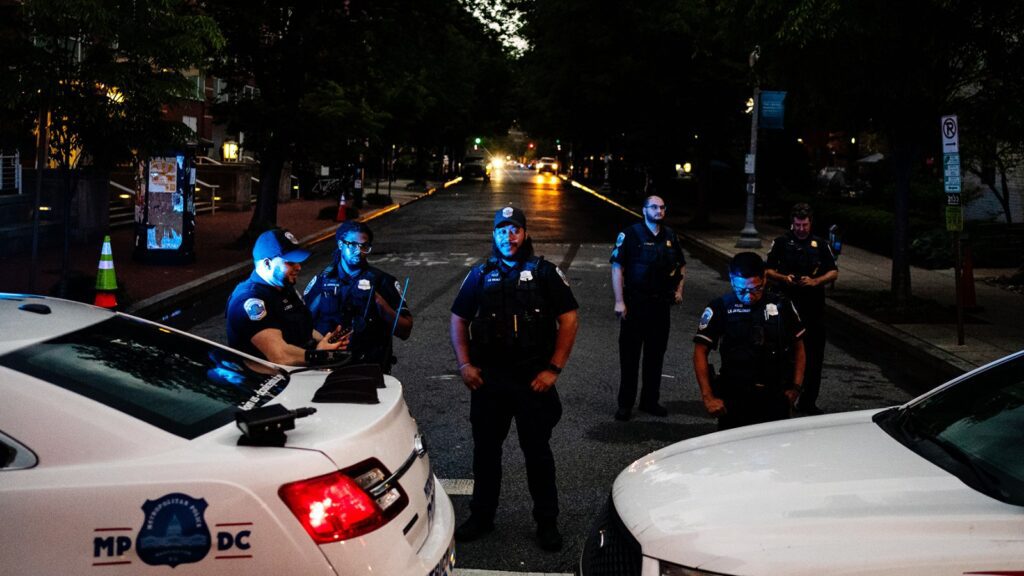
column 954, row 209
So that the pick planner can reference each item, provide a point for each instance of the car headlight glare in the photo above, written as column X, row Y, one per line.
column 670, row 569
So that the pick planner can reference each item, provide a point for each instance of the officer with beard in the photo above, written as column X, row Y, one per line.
column 360, row 298
column 265, row 315
column 803, row 264
column 513, row 326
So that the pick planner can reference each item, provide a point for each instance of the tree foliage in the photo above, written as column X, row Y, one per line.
column 103, row 69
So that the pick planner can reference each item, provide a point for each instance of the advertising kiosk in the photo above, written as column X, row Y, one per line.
column 165, row 209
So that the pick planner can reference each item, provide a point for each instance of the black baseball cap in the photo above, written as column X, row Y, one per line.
column 279, row 242
column 509, row 214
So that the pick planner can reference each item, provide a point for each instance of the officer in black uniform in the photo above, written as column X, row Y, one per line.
column 803, row 265
column 266, row 317
column 513, row 326
column 759, row 337
column 648, row 273
column 360, row 298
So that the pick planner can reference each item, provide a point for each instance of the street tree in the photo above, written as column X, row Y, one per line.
column 96, row 74
column 888, row 68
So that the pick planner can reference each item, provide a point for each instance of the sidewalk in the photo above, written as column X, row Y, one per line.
column 160, row 291
column 992, row 329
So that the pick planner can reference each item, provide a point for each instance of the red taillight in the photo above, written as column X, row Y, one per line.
column 332, row 507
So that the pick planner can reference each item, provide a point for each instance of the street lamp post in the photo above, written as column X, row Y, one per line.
column 748, row 236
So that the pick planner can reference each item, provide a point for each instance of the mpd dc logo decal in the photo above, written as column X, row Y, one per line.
column 174, row 531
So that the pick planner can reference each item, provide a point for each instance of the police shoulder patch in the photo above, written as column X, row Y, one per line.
column 620, row 239
column 705, row 318
column 255, row 309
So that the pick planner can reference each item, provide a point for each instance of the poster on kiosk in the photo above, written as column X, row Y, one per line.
column 165, row 209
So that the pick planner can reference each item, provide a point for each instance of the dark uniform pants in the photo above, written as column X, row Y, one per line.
column 814, row 348
column 492, row 408
column 644, row 330
column 753, row 405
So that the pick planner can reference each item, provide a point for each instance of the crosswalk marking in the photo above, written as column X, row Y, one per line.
column 473, row 572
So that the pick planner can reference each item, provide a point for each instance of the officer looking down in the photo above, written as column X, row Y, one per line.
column 267, row 318
column 360, row 298
column 513, row 326
column 759, row 338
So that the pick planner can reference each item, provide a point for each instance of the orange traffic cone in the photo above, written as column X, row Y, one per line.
column 106, row 280
column 342, row 209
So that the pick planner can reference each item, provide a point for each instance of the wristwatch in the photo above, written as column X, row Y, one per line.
column 552, row 368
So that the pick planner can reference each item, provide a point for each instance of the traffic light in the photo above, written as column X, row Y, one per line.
column 530, row 145
column 477, row 141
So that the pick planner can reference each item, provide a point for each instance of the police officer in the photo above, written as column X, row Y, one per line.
column 360, row 298
column 513, row 326
column 266, row 317
column 759, row 338
column 648, row 273
column 803, row 265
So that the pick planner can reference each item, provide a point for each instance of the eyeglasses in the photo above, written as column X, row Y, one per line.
column 363, row 247
column 747, row 291
column 656, row 206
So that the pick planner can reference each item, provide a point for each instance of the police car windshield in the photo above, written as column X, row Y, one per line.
column 180, row 384
column 972, row 429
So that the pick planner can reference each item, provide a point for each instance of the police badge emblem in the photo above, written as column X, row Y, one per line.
column 174, row 531
column 705, row 318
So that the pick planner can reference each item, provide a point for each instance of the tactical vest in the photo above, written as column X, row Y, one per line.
column 513, row 326
column 801, row 258
column 651, row 272
column 354, row 308
column 754, row 347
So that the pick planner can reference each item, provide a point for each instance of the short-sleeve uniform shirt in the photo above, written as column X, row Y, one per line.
column 255, row 306
column 651, row 262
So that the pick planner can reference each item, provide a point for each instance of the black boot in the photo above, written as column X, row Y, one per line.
column 548, row 536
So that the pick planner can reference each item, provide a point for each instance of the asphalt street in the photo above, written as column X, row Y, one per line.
column 435, row 241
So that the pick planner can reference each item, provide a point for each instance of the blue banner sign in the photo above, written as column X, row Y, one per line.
column 773, row 110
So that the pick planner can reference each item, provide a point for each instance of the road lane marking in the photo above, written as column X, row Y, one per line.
column 457, row 486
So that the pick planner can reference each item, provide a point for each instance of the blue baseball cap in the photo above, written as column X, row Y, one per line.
column 509, row 214
column 279, row 242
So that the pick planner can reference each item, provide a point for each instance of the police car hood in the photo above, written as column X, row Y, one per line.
column 826, row 495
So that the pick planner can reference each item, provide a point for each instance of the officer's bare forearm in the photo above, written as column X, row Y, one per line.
column 460, row 339
column 702, row 370
column 617, row 283
column 404, row 326
column 827, row 277
column 270, row 342
column 777, row 276
column 566, row 338
column 799, row 363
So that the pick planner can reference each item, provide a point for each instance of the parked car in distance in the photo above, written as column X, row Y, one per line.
column 130, row 447
column 476, row 166
column 934, row 487
column 547, row 164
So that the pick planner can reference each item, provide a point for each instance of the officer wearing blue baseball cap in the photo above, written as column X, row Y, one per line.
column 266, row 317
column 513, row 325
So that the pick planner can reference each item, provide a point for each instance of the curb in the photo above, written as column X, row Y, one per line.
column 178, row 304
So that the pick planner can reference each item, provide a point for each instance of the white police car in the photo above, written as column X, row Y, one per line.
column 933, row 487
column 120, row 454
